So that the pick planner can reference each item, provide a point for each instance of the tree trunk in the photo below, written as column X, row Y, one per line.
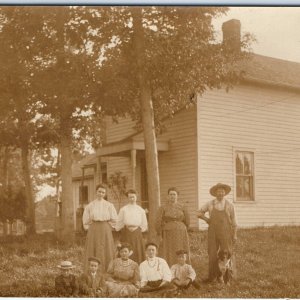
column 147, row 122
column 58, row 225
column 67, row 213
column 4, row 163
column 30, row 206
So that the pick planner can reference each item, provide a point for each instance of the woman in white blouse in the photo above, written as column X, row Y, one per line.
column 99, row 217
column 154, row 272
column 132, row 222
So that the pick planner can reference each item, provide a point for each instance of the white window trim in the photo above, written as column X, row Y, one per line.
column 243, row 149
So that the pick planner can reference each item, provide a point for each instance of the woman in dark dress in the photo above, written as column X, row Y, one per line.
column 172, row 224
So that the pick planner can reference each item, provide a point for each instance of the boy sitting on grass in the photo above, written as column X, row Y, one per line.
column 93, row 284
column 183, row 274
column 66, row 284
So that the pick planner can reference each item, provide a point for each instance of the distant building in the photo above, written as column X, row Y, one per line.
column 45, row 215
column 17, row 227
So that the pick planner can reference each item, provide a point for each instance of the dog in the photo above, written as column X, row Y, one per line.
column 225, row 266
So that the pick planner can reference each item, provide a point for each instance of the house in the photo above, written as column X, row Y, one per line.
column 45, row 215
column 17, row 227
column 248, row 138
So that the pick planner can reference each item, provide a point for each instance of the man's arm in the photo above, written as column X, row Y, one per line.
column 201, row 213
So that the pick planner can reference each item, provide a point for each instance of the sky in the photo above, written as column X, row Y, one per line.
column 275, row 28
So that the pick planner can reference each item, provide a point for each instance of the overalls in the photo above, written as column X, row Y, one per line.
column 219, row 238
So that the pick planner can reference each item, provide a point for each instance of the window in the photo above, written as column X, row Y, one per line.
column 244, row 172
column 104, row 172
column 83, row 194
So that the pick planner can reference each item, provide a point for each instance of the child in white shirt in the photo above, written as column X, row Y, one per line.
column 183, row 274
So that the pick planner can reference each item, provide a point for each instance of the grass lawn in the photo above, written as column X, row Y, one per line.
column 268, row 265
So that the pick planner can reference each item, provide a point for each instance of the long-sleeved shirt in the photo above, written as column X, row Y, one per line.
column 132, row 216
column 183, row 272
column 128, row 272
column 153, row 269
column 228, row 207
column 66, row 286
column 170, row 216
column 99, row 210
column 89, row 283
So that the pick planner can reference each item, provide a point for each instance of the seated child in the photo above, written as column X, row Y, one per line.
column 93, row 284
column 183, row 274
column 155, row 272
column 66, row 284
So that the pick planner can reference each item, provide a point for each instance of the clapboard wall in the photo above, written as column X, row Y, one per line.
column 263, row 120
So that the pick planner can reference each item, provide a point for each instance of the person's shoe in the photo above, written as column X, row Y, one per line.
column 196, row 285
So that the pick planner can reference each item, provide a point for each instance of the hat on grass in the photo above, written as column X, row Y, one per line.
column 225, row 187
column 65, row 265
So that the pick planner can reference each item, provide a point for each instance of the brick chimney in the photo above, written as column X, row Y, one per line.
column 232, row 34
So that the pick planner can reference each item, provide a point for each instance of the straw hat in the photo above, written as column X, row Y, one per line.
column 225, row 187
column 65, row 265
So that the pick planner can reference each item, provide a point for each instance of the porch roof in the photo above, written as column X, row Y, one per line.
column 123, row 147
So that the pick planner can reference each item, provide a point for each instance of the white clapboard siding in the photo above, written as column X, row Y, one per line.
column 178, row 165
column 118, row 131
column 257, row 119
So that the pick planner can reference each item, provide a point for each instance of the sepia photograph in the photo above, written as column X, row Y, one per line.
column 149, row 151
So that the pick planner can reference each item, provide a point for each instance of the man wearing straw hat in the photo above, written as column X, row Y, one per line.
column 222, row 227
column 66, row 284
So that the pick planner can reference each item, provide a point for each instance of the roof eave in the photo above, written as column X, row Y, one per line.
column 267, row 83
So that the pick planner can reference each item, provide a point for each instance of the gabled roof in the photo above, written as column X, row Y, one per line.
column 273, row 71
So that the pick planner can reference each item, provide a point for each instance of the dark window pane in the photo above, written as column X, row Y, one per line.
column 104, row 172
column 239, row 186
column 247, row 168
column 246, row 187
column 244, row 190
column 83, row 194
column 239, row 164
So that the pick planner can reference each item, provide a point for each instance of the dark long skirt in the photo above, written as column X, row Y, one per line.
column 172, row 241
column 135, row 239
column 100, row 244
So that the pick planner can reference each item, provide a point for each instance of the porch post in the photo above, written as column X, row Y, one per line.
column 133, row 167
column 79, row 210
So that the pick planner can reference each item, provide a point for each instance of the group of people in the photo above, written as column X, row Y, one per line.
column 139, row 267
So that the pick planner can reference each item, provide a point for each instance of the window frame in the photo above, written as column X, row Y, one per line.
column 235, row 150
